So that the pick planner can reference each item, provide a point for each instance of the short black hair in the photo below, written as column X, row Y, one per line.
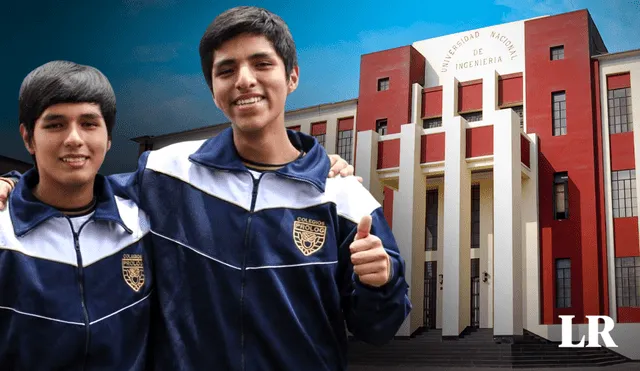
column 247, row 20
column 64, row 82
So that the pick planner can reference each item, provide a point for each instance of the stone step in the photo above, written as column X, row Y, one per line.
column 478, row 349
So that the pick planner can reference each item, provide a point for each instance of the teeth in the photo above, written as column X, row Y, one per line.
column 248, row 101
column 74, row 159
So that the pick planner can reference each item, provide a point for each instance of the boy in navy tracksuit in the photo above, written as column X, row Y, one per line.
column 75, row 273
column 259, row 259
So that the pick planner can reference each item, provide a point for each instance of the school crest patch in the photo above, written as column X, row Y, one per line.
column 309, row 235
column 133, row 271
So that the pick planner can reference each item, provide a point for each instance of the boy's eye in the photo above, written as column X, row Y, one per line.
column 54, row 125
column 224, row 72
column 92, row 124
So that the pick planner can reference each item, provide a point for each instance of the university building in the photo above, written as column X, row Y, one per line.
column 505, row 160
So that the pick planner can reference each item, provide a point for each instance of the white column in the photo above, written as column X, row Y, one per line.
column 409, row 205
column 531, row 256
column 634, row 76
column 331, row 136
column 489, row 95
column 486, row 253
column 457, row 217
column 416, row 104
column 507, row 190
column 305, row 127
column 367, row 165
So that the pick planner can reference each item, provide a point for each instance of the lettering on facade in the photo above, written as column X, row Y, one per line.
column 479, row 55
column 594, row 333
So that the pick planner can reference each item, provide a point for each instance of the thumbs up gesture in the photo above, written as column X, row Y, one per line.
column 370, row 260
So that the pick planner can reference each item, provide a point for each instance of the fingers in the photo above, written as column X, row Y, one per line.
column 364, row 227
column 5, row 189
column 348, row 170
column 367, row 256
column 375, row 267
column 340, row 166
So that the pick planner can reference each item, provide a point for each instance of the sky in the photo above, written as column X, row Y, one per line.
column 149, row 50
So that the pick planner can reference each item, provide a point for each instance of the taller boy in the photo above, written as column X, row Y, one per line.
column 270, row 285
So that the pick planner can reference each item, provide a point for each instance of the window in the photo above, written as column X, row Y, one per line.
column 559, row 100
column 383, row 84
column 623, row 189
column 628, row 281
column 557, row 52
column 563, row 283
column 381, row 126
column 619, row 103
column 520, row 111
column 475, row 217
column 320, row 138
column 561, row 196
column 472, row 116
column 431, row 240
column 344, row 144
column 435, row 122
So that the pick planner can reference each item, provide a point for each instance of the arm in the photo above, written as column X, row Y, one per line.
column 373, row 287
column 128, row 185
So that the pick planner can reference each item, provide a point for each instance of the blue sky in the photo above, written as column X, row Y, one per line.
column 149, row 50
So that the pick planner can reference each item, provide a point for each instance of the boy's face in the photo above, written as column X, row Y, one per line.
column 70, row 142
column 249, row 82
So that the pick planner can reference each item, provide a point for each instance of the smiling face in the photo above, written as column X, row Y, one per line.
column 69, row 142
column 250, row 84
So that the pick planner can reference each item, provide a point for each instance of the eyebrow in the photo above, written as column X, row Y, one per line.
column 230, row 61
column 57, row 116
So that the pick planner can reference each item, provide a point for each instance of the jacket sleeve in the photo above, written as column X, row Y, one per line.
column 129, row 185
column 373, row 315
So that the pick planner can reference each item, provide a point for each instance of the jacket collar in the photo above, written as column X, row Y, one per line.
column 220, row 153
column 27, row 212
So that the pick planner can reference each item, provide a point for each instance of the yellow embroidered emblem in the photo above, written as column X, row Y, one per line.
column 133, row 271
column 309, row 235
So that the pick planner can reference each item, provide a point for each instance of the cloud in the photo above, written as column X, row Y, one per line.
column 133, row 7
column 157, row 52
column 616, row 19
column 166, row 103
column 524, row 9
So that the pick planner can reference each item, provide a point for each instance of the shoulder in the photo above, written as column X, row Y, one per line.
column 352, row 199
column 172, row 155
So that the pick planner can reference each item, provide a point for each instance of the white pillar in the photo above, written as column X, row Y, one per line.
column 486, row 253
column 507, row 190
column 634, row 78
column 331, row 136
column 457, row 217
column 531, row 256
column 409, row 205
column 367, row 166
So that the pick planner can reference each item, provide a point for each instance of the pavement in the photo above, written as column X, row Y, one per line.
column 635, row 366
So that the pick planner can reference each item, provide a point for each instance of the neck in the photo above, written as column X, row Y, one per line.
column 266, row 147
column 64, row 197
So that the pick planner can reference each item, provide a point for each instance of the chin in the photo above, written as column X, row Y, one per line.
column 250, row 127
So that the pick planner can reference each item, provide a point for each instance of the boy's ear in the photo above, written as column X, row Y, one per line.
column 293, row 79
column 25, row 138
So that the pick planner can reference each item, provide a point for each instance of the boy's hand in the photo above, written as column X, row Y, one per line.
column 6, row 186
column 370, row 260
column 340, row 166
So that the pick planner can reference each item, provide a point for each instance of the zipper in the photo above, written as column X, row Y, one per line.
column 76, row 241
column 254, row 195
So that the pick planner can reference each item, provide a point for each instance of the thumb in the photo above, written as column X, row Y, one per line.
column 364, row 227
